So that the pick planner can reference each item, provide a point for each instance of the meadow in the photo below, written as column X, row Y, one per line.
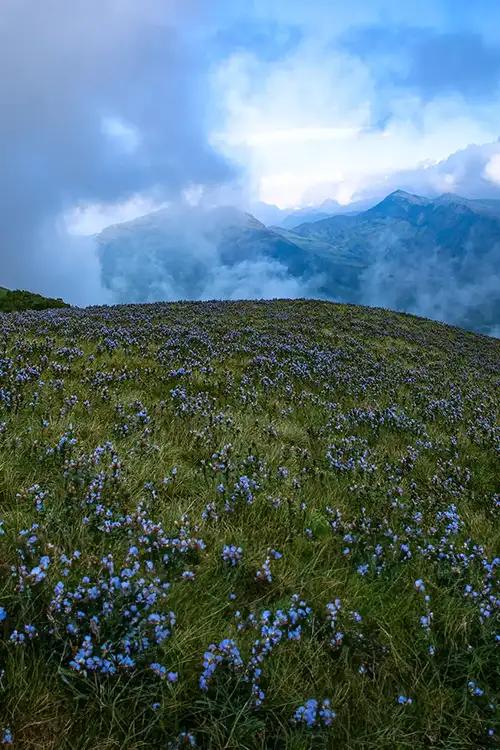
column 247, row 525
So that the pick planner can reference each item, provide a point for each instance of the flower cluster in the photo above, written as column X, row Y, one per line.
column 314, row 714
column 264, row 573
column 232, row 554
column 226, row 652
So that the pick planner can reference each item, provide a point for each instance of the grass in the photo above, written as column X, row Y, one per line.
column 18, row 299
column 359, row 443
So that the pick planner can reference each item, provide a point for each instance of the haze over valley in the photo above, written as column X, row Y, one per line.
column 265, row 135
column 433, row 257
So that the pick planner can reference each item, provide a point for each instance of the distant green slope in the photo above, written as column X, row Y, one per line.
column 19, row 299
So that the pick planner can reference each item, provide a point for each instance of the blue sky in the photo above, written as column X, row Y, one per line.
column 110, row 109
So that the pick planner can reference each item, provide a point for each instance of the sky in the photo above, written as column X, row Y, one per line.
column 112, row 108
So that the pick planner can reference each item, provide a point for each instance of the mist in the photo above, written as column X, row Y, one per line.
column 194, row 252
column 100, row 100
column 110, row 110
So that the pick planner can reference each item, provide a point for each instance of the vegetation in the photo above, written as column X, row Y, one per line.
column 247, row 525
column 18, row 299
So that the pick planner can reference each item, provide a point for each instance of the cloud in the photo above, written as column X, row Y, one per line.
column 192, row 253
column 402, row 280
column 100, row 100
column 87, row 219
column 472, row 172
column 460, row 62
column 318, row 123
column 269, row 39
column 491, row 170
column 430, row 61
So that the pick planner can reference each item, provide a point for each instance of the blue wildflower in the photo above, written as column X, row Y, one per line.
column 7, row 738
column 403, row 700
column 232, row 554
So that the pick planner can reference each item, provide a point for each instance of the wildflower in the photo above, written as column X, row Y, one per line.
column 309, row 714
column 3, row 614
column 327, row 715
column 232, row 554
column 474, row 689
column 425, row 621
column 158, row 669
column 264, row 573
column 183, row 740
column 7, row 738
column 17, row 637
column 404, row 701
column 226, row 651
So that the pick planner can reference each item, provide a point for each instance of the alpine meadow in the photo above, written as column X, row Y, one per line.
column 249, row 374
column 247, row 525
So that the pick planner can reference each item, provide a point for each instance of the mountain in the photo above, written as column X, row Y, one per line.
column 19, row 299
column 303, row 215
column 289, row 219
column 434, row 257
column 325, row 210
column 193, row 253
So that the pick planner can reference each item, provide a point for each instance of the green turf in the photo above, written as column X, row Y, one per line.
column 19, row 299
column 291, row 387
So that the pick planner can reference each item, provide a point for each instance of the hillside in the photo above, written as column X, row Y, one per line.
column 247, row 525
column 433, row 257
column 164, row 255
column 438, row 257
column 19, row 299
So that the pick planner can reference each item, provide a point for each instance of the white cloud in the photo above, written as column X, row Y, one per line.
column 90, row 218
column 306, row 127
column 492, row 169
column 121, row 133
column 289, row 136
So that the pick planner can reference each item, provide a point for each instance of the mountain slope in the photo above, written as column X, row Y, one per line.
column 437, row 257
column 434, row 257
column 195, row 254
column 19, row 299
column 214, row 514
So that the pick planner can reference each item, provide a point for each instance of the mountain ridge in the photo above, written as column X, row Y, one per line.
column 436, row 257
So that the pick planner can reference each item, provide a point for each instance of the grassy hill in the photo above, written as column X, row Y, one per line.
column 247, row 525
column 18, row 299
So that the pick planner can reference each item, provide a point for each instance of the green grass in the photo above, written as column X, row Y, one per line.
column 19, row 299
column 280, row 382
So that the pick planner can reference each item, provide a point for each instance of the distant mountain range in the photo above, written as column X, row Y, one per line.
column 435, row 257
column 286, row 219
